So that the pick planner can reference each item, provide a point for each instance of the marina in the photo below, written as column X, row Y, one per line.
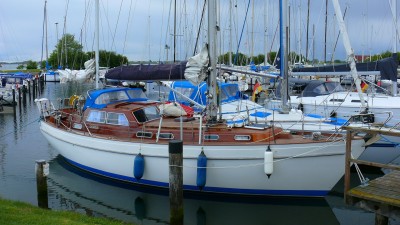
column 72, row 189
column 203, row 139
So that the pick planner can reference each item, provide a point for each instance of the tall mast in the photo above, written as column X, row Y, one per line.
column 349, row 50
column 308, row 25
column 212, row 47
column 175, row 31
column 283, row 7
column 58, row 51
column 265, row 33
column 96, row 53
column 394, row 14
column 326, row 29
column 45, row 18
column 230, row 33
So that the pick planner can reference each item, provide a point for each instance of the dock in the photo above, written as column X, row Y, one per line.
column 381, row 195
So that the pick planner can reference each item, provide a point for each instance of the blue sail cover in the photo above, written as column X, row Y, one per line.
column 163, row 72
column 386, row 66
column 100, row 98
column 229, row 92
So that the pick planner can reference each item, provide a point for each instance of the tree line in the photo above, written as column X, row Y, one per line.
column 68, row 53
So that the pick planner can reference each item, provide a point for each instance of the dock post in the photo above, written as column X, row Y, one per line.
column 42, row 170
column 381, row 220
column 176, row 182
column 349, row 135
column 24, row 94
column 14, row 103
column 19, row 98
column 34, row 88
column 29, row 89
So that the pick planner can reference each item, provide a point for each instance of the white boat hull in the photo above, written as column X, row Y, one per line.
column 299, row 169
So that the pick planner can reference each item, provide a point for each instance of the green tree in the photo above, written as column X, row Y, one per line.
column 68, row 54
column 272, row 57
column 31, row 65
column 240, row 59
column 259, row 59
column 20, row 67
column 109, row 59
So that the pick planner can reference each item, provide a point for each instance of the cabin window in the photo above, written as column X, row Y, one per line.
column 136, row 93
column 185, row 92
column 142, row 134
column 333, row 87
column 229, row 91
column 108, row 97
column 117, row 119
column 146, row 114
column 96, row 116
column 166, row 136
column 336, row 100
column 77, row 126
column 320, row 89
column 242, row 138
column 357, row 100
column 211, row 137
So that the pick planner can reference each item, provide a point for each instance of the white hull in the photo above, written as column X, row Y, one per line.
column 348, row 104
column 232, row 169
column 138, row 206
column 384, row 150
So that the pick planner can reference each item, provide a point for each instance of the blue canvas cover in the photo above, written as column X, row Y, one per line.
column 229, row 92
column 99, row 99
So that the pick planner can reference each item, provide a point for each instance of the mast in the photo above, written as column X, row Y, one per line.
column 58, row 52
column 44, row 31
column 230, row 33
column 326, row 29
column 308, row 25
column 45, row 18
column 265, row 33
column 175, row 31
column 212, row 48
column 394, row 14
column 96, row 53
column 349, row 50
column 283, row 7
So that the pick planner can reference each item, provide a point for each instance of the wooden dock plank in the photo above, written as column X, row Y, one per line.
column 384, row 190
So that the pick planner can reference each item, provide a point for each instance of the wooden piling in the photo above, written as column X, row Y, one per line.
column 42, row 170
column 24, row 94
column 34, row 88
column 19, row 98
column 176, row 182
column 29, row 90
column 347, row 163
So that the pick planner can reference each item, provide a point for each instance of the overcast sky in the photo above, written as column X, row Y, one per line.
column 141, row 29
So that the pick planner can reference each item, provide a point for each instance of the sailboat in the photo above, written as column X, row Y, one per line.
column 118, row 133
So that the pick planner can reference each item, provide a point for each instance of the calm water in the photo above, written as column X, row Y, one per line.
column 21, row 144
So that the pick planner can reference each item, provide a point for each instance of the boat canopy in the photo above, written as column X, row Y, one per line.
column 310, row 88
column 99, row 99
column 229, row 92
column 141, row 72
column 387, row 68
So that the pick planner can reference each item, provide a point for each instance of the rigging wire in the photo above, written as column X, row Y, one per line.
column 241, row 34
column 127, row 25
column 198, row 31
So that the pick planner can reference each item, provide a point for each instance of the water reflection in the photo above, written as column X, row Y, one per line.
column 73, row 189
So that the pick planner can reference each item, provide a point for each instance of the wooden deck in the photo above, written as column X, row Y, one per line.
column 381, row 195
